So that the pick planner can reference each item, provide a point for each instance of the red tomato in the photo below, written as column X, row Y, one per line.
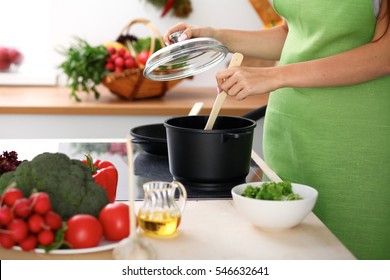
column 142, row 57
column 83, row 231
column 115, row 220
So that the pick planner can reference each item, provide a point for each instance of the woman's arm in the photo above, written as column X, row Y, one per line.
column 355, row 66
column 263, row 44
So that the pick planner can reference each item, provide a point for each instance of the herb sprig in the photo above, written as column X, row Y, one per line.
column 84, row 67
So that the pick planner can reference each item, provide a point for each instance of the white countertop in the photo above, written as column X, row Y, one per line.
column 213, row 229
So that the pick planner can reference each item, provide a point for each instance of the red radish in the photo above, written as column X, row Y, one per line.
column 119, row 62
column 6, row 241
column 5, row 215
column 130, row 63
column 11, row 195
column 111, row 50
column 22, row 208
column 5, row 61
column 143, row 57
column 15, row 56
column 128, row 55
column 5, row 64
column 35, row 223
column 53, row 220
column 45, row 237
column 29, row 243
column 122, row 52
column 109, row 66
column 19, row 230
column 40, row 203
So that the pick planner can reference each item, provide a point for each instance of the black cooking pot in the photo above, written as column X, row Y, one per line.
column 153, row 138
column 209, row 159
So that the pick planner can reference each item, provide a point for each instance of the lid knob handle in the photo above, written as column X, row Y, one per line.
column 174, row 37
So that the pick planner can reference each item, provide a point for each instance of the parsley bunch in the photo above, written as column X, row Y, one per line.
column 84, row 67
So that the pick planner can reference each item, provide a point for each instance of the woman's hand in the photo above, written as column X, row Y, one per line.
column 244, row 81
column 189, row 31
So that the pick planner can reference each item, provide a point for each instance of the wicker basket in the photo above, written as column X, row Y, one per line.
column 131, row 84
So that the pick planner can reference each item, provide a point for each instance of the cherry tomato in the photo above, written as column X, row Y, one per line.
column 84, row 231
column 115, row 221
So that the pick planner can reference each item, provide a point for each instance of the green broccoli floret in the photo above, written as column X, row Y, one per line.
column 68, row 182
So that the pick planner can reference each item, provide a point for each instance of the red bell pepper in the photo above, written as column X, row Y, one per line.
column 168, row 6
column 105, row 174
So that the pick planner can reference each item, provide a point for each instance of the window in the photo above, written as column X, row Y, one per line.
column 25, row 25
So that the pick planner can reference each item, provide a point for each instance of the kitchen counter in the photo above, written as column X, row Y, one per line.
column 210, row 229
column 48, row 112
column 178, row 101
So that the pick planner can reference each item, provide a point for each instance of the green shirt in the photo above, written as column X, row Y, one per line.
column 336, row 139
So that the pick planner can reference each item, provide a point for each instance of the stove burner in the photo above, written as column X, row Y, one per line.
column 156, row 168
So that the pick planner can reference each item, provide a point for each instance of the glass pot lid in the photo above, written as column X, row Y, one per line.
column 183, row 59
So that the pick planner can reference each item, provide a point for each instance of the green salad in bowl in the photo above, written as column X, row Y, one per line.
column 271, row 191
column 274, row 206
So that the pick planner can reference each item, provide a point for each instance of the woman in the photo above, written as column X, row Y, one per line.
column 328, row 118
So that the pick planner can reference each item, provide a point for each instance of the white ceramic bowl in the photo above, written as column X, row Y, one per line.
column 275, row 215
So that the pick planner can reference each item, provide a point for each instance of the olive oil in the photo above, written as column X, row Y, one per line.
column 158, row 223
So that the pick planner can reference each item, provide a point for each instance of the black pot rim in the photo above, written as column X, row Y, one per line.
column 149, row 138
column 251, row 124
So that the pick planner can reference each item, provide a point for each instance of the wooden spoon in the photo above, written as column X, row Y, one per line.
column 266, row 169
column 196, row 109
column 235, row 61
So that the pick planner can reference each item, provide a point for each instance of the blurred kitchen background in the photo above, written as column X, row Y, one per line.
column 39, row 28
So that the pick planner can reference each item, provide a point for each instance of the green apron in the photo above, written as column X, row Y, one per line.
column 336, row 139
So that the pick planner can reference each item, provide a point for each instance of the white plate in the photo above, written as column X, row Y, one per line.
column 103, row 246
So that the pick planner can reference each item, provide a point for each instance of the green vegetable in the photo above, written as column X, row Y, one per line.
column 271, row 191
column 144, row 44
column 68, row 182
column 84, row 67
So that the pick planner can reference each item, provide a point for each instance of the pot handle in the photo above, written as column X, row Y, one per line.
column 139, row 141
column 230, row 135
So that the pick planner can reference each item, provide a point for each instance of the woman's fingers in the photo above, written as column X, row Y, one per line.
column 182, row 27
column 244, row 81
column 227, row 81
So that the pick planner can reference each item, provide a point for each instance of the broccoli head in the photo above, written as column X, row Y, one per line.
column 68, row 182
